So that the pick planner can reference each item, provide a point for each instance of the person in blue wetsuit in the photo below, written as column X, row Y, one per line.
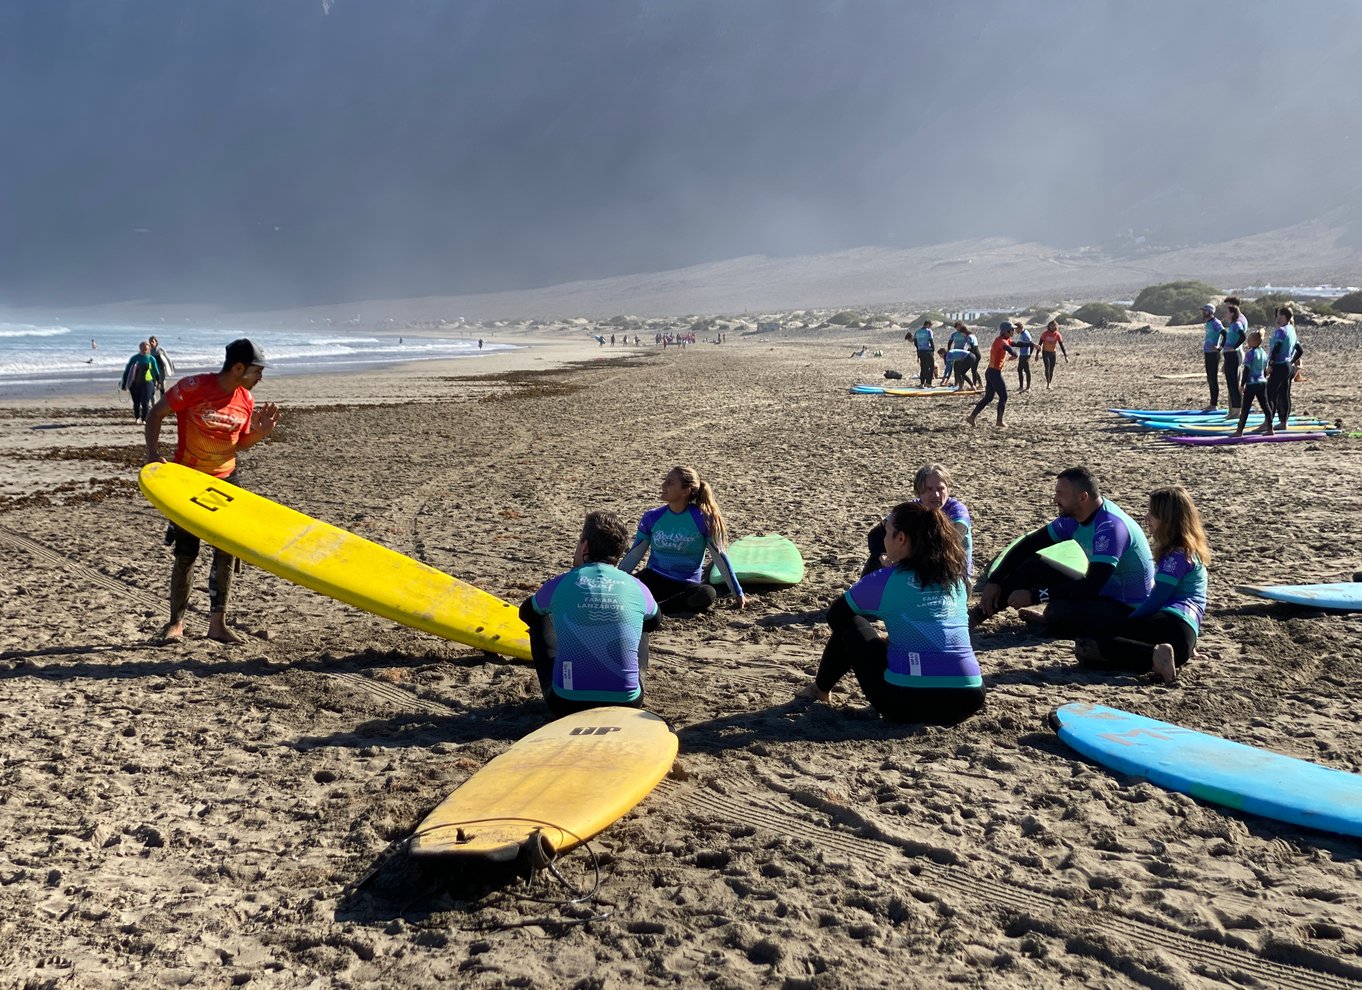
column 1211, row 345
column 589, row 627
column 1283, row 355
column 1120, row 567
column 932, row 487
column 1255, row 384
column 1232, row 354
column 926, row 352
column 923, row 669
column 1025, row 345
column 1161, row 634
column 675, row 536
column 140, row 377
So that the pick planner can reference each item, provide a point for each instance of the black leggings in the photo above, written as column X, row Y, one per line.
column 863, row 651
column 677, row 596
column 1047, row 358
column 1255, row 390
column 1024, row 372
column 1232, row 377
column 1213, row 375
column 142, row 392
column 926, row 368
column 1279, row 390
column 993, row 385
column 1068, row 617
column 974, row 367
column 1131, row 646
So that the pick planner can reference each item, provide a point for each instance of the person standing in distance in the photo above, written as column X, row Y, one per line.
column 216, row 418
column 1211, row 345
column 163, row 359
column 994, row 383
column 926, row 353
column 1236, row 333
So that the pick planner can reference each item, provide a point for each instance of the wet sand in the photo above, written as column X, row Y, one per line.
column 200, row 815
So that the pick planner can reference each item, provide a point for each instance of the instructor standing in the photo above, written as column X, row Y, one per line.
column 216, row 418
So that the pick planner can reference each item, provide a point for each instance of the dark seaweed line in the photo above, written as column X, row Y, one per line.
column 1022, row 900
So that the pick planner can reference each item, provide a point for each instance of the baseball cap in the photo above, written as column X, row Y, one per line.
column 1004, row 325
column 1208, row 307
column 247, row 352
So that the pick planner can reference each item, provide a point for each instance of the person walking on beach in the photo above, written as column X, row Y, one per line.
column 926, row 353
column 1211, row 345
column 1049, row 340
column 162, row 359
column 994, row 384
column 1161, row 634
column 1118, row 578
column 1255, row 384
column 140, row 376
column 1025, row 344
column 216, row 418
column 1282, row 355
column 923, row 669
column 1232, row 354
column 675, row 536
column 589, row 627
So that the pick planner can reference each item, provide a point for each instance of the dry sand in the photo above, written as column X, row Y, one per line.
column 207, row 816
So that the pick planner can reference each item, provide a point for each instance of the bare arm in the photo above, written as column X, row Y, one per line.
column 153, row 433
column 263, row 422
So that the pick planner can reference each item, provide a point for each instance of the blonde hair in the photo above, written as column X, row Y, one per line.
column 1179, row 524
column 925, row 472
column 702, row 497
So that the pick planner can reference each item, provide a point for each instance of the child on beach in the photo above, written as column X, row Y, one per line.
column 675, row 536
column 1161, row 633
column 924, row 668
column 1254, row 378
column 589, row 627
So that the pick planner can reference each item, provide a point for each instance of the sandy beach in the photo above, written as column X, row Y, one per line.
column 198, row 815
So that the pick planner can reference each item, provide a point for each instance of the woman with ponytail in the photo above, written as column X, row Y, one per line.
column 675, row 536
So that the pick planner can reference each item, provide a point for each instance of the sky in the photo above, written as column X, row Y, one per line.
column 268, row 153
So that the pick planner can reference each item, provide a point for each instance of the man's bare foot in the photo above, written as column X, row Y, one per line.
column 1035, row 614
column 969, row 420
column 1164, row 665
column 810, row 692
column 218, row 631
column 1002, row 425
column 172, row 632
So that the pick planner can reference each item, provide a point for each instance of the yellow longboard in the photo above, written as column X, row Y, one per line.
column 566, row 782
column 333, row 561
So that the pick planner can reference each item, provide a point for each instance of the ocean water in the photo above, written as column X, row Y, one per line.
column 57, row 358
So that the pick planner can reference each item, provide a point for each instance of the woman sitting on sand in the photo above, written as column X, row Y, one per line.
column 678, row 534
column 924, row 670
column 1161, row 634
column 932, row 486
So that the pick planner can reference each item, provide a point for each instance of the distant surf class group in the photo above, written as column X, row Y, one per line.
column 1260, row 374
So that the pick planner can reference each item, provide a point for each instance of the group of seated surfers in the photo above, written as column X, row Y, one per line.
column 1133, row 609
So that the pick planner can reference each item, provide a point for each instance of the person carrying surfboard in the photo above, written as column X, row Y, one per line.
column 923, row 669
column 215, row 418
column 1161, row 634
column 140, row 376
column 589, row 626
column 994, row 384
column 1118, row 578
column 675, row 537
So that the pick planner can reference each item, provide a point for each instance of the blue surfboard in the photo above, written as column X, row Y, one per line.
column 1345, row 596
column 1213, row 769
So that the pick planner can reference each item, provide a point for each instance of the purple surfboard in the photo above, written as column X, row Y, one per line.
column 1247, row 438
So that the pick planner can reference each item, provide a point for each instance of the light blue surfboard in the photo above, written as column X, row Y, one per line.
column 867, row 390
column 1346, row 596
column 1213, row 769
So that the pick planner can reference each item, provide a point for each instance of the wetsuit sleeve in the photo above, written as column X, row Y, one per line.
column 725, row 568
column 635, row 555
column 1031, row 543
column 841, row 618
column 875, row 541
column 1158, row 598
column 539, row 644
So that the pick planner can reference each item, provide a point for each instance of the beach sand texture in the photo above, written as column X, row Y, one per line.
column 202, row 816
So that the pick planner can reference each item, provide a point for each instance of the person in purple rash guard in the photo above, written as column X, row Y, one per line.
column 589, row 627
column 924, row 668
column 932, row 486
column 1210, row 347
column 676, row 536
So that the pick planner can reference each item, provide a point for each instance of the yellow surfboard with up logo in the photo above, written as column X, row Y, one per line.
column 333, row 561
column 559, row 786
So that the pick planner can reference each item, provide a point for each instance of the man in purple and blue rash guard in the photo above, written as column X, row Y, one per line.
column 589, row 627
column 1120, row 572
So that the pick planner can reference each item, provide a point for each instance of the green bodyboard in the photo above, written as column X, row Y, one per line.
column 767, row 559
column 1067, row 556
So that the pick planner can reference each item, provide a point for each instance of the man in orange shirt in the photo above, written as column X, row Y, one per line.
column 994, row 384
column 215, row 417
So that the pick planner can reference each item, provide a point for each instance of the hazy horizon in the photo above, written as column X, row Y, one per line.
column 266, row 154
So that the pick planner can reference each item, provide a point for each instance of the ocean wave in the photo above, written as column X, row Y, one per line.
column 20, row 330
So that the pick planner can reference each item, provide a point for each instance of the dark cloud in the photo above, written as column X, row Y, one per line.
column 274, row 153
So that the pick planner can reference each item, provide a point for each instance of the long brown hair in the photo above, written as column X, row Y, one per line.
column 702, row 497
column 1179, row 524
column 936, row 553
